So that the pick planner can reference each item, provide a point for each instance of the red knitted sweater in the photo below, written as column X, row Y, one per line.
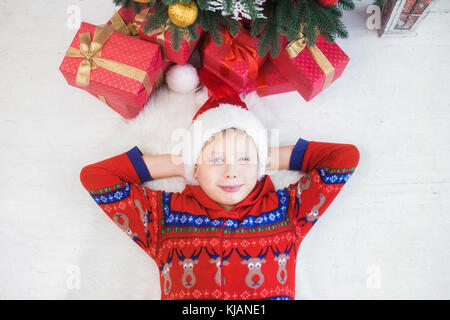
column 205, row 252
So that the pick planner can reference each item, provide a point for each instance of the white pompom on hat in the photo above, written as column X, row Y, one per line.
column 223, row 110
column 182, row 78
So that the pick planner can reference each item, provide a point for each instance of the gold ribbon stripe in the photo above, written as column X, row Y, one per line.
column 132, row 28
column 161, row 39
column 90, row 51
column 295, row 47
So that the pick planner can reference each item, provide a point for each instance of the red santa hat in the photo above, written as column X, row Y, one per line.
column 223, row 110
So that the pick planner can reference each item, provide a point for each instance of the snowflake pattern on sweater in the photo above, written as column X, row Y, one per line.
column 204, row 254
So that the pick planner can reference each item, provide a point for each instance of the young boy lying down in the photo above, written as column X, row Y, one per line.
column 229, row 234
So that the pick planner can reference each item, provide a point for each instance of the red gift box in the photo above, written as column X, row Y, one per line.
column 122, row 69
column 126, row 111
column 269, row 82
column 162, row 37
column 126, row 21
column 310, row 69
column 236, row 61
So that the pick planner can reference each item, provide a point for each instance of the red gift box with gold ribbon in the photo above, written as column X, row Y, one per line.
column 126, row 21
column 310, row 69
column 236, row 61
column 118, row 69
column 162, row 37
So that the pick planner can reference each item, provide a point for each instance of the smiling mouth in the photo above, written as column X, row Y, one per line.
column 231, row 188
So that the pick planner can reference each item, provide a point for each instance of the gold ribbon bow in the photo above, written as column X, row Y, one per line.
column 161, row 38
column 295, row 47
column 90, row 52
column 132, row 28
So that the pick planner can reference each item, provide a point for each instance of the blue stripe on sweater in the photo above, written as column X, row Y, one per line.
column 334, row 178
column 181, row 219
column 113, row 196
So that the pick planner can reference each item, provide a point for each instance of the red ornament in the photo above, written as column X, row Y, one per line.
column 327, row 3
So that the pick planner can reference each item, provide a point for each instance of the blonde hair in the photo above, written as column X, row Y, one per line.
column 224, row 132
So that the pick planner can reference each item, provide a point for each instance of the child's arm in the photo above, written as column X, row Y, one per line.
column 164, row 165
column 279, row 157
column 328, row 166
column 114, row 184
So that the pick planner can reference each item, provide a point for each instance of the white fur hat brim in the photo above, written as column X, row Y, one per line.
column 213, row 121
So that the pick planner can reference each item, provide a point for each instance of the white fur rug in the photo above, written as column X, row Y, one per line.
column 167, row 111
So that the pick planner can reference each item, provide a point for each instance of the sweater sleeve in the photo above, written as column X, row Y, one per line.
column 114, row 184
column 327, row 167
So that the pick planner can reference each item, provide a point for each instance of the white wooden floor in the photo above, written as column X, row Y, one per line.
column 385, row 237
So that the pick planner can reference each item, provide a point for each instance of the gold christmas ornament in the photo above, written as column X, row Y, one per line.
column 143, row 1
column 183, row 14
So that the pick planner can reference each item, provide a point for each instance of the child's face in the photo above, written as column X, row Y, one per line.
column 227, row 168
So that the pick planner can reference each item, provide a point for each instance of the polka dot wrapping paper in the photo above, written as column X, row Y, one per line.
column 304, row 72
column 120, row 92
column 129, row 16
column 238, row 74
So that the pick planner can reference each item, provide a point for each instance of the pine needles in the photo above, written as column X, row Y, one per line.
column 281, row 18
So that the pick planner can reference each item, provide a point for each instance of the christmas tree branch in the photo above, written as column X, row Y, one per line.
column 269, row 19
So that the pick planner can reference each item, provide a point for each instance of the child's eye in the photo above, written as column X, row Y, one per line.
column 217, row 160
